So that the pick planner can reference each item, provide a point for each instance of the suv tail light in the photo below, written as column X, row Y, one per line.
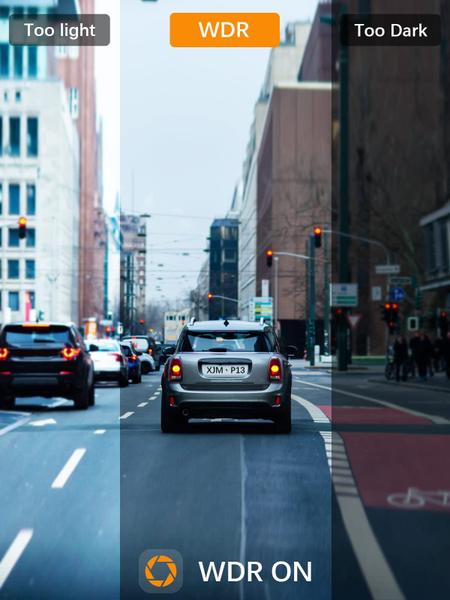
column 117, row 356
column 275, row 369
column 175, row 370
column 4, row 353
column 70, row 353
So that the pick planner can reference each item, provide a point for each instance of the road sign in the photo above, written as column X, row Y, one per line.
column 400, row 280
column 376, row 293
column 397, row 294
column 261, row 307
column 344, row 294
column 387, row 269
column 413, row 323
column 353, row 320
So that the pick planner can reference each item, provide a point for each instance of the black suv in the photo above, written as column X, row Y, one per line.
column 44, row 359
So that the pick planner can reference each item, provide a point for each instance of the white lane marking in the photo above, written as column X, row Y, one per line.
column 142, row 404
column 377, row 572
column 126, row 415
column 68, row 468
column 434, row 418
column 13, row 554
column 243, row 538
column 25, row 418
column 99, row 431
column 43, row 422
column 57, row 403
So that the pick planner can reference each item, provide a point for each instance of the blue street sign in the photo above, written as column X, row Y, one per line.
column 397, row 294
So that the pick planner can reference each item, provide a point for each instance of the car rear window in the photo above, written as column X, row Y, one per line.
column 30, row 335
column 140, row 344
column 226, row 341
column 106, row 346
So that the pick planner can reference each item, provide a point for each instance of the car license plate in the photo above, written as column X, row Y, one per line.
column 224, row 370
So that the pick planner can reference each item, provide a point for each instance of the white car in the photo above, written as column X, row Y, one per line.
column 147, row 362
column 110, row 363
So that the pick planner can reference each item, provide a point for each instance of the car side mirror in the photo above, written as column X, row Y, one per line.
column 169, row 351
column 93, row 348
column 292, row 351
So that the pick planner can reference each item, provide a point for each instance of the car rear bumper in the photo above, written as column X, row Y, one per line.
column 39, row 384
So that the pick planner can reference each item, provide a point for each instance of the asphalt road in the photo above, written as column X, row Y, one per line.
column 85, row 493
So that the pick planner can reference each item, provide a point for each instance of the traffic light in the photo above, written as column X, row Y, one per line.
column 269, row 258
column 22, row 227
column 141, row 322
column 210, row 296
column 389, row 314
column 317, row 237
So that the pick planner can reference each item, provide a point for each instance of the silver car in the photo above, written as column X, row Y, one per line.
column 223, row 369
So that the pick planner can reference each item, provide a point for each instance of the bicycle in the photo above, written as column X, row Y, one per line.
column 415, row 498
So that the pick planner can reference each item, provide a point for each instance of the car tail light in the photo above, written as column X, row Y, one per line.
column 275, row 369
column 277, row 401
column 133, row 357
column 175, row 370
column 70, row 353
column 4, row 353
column 117, row 356
column 172, row 400
column 150, row 351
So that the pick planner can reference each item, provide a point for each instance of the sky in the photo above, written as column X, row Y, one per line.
column 185, row 116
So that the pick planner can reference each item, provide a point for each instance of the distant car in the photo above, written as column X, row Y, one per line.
column 145, row 344
column 163, row 355
column 225, row 369
column 110, row 362
column 45, row 359
column 134, row 363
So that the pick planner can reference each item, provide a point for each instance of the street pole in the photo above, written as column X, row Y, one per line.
column 326, row 298
column 312, row 302
column 343, row 267
column 276, row 259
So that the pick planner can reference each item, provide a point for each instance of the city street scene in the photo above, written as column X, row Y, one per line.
column 225, row 299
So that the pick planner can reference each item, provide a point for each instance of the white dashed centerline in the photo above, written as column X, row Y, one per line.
column 126, row 415
column 99, row 431
column 13, row 554
column 142, row 404
column 68, row 468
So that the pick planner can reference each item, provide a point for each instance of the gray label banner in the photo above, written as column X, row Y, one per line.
column 59, row 30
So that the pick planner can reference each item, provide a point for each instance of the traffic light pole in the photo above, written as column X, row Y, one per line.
column 326, row 299
column 311, row 302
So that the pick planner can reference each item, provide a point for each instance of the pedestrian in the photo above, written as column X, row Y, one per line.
column 413, row 348
column 400, row 357
column 423, row 355
column 446, row 354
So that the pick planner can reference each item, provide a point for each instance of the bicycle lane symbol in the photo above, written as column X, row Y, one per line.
column 416, row 499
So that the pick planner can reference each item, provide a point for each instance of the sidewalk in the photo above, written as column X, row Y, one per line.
column 439, row 383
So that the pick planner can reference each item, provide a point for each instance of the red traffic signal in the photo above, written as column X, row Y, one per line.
column 210, row 296
column 22, row 227
column 269, row 258
column 317, row 237
column 141, row 321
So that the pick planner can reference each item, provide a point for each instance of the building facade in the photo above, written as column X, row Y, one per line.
column 283, row 66
column 223, row 268
column 39, row 180
column 133, row 261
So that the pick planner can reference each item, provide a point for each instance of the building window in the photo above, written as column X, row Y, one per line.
column 31, row 199
column 1, row 241
column 1, row 136
column 13, row 269
column 14, row 199
column 31, row 299
column 32, row 62
column 73, row 102
column 13, row 238
column 1, row 198
column 30, row 269
column 13, row 300
column 18, row 61
column 31, row 238
column 32, row 136
column 14, row 136
column 4, row 60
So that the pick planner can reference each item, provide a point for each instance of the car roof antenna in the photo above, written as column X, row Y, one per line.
column 226, row 322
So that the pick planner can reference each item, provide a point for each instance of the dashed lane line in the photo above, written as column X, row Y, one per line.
column 13, row 554
column 126, row 415
column 68, row 468
column 378, row 575
column 434, row 418
column 142, row 404
column 99, row 431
